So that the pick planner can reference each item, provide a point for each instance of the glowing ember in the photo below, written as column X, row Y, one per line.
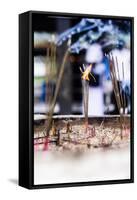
column 86, row 72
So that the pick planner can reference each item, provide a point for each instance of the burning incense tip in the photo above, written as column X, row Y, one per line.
column 86, row 72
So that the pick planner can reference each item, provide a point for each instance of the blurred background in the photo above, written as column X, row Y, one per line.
column 91, row 40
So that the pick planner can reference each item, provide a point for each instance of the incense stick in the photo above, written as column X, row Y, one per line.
column 124, row 96
column 56, row 91
column 47, row 78
column 116, row 88
column 114, row 82
column 122, row 103
column 86, row 95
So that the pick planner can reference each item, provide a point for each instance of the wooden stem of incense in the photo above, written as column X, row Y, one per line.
column 124, row 97
column 86, row 95
column 52, row 69
column 47, row 67
column 56, row 91
column 120, row 88
column 116, row 88
column 121, row 96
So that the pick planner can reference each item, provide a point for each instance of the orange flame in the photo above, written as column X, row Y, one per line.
column 86, row 73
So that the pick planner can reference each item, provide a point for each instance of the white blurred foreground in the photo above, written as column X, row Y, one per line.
column 92, row 165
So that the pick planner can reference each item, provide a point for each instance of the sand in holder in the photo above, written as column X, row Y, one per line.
column 68, row 133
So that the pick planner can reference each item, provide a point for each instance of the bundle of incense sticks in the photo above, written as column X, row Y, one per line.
column 120, row 98
column 58, row 83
